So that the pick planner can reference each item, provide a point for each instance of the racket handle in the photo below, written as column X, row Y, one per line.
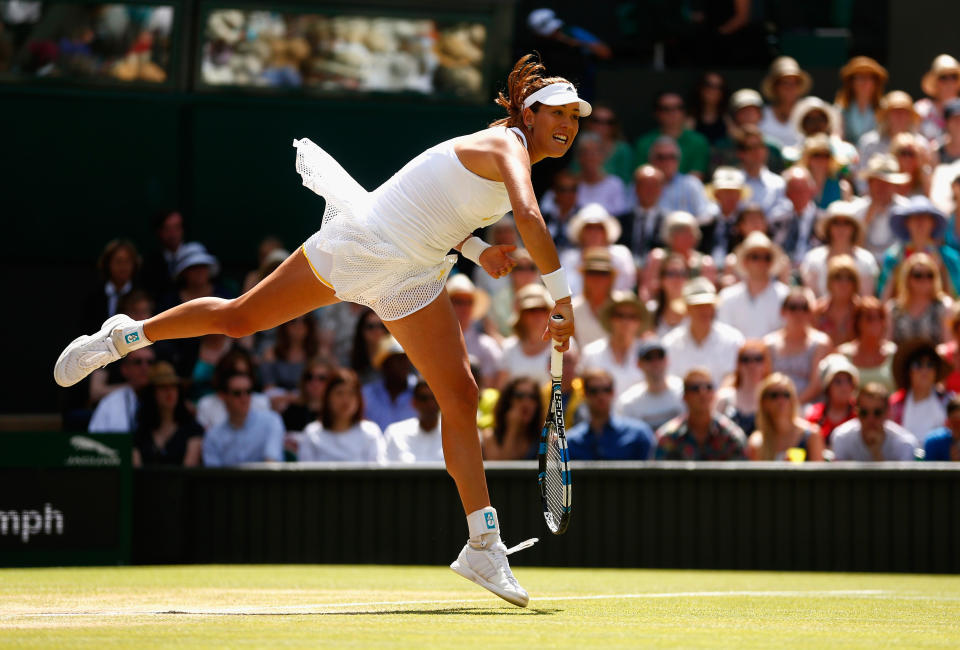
column 556, row 357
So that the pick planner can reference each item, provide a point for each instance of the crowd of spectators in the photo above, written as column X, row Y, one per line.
column 762, row 280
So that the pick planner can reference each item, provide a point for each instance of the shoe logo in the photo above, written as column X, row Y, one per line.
column 132, row 337
column 491, row 524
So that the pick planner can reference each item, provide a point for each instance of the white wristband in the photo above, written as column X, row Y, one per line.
column 472, row 248
column 557, row 284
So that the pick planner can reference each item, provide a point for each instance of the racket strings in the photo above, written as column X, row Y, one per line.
column 553, row 480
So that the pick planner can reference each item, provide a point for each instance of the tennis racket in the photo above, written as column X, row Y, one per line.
column 553, row 457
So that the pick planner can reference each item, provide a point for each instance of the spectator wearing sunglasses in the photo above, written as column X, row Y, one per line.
column 766, row 188
column 895, row 115
column 870, row 351
column 872, row 436
column 681, row 192
column 671, row 115
column 841, row 231
column 117, row 412
column 840, row 380
column 603, row 435
column 781, row 434
column 833, row 314
column 921, row 308
column 618, row 155
column 641, row 227
column 784, row 85
column 659, row 398
column 941, row 84
column 517, row 419
column 247, row 435
column 701, row 434
column 366, row 339
column 920, row 403
column 308, row 404
column 625, row 319
column 343, row 434
column 797, row 348
column 738, row 400
column 753, row 305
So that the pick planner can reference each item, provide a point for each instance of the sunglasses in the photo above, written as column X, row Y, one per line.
column 654, row 355
column 240, row 392
column 907, row 153
column 923, row 364
column 921, row 275
column 948, row 77
column 700, row 387
column 317, row 377
column 760, row 257
column 865, row 413
column 599, row 390
column 665, row 156
column 523, row 394
column 749, row 147
column 797, row 306
column 625, row 315
column 751, row 358
column 776, row 394
column 844, row 277
column 820, row 154
column 676, row 273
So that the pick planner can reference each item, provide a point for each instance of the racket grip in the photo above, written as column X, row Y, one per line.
column 556, row 357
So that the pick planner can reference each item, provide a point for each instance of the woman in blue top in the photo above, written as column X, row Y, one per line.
column 920, row 226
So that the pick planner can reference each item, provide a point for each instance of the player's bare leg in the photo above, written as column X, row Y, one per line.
column 432, row 339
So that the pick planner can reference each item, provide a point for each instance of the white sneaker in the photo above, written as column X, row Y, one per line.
column 87, row 353
column 488, row 567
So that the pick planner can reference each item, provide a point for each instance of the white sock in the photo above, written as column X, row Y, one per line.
column 132, row 338
column 484, row 526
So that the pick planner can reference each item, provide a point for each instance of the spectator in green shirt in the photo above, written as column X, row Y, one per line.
column 671, row 115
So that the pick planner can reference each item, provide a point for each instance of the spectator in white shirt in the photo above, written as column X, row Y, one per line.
column 341, row 433
column 417, row 439
column 625, row 318
column 752, row 305
column 526, row 353
column 117, row 412
column 598, row 273
column 841, row 230
column 871, row 436
column 703, row 341
column 766, row 188
column 682, row 192
column 596, row 185
column 659, row 398
column 593, row 226
column 883, row 179
column 784, row 85
column 471, row 305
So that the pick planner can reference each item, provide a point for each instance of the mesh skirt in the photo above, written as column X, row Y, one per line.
column 368, row 268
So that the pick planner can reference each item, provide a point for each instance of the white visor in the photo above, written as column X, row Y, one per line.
column 558, row 95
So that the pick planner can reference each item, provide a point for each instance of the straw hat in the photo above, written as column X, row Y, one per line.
column 759, row 241
column 832, row 365
column 679, row 219
column 893, row 100
column 810, row 104
column 461, row 285
column 699, row 291
column 743, row 98
column 387, row 347
column 943, row 64
column 532, row 296
column 163, row 374
column 864, row 64
column 784, row 66
column 728, row 178
column 597, row 258
column 886, row 168
column 619, row 298
column 910, row 350
column 845, row 210
column 593, row 213
column 916, row 205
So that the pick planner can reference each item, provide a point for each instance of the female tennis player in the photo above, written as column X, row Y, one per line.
column 387, row 249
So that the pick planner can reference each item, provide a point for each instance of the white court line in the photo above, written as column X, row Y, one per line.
column 312, row 608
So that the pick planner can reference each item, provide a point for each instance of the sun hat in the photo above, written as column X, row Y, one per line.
column 593, row 213
column 893, row 100
column 460, row 284
column 194, row 254
column 531, row 296
column 543, row 21
column 699, row 291
column 558, row 94
column 917, row 204
column 163, row 374
column 784, row 66
column 943, row 64
column 910, row 350
column 860, row 64
column 759, row 241
column 808, row 105
column 387, row 347
column 832, row 365
column 728, row 178
column 597, row 258
column 743, row 98
column 679, row 219
column 618, row 298
column 846, row 210
column 886, row 168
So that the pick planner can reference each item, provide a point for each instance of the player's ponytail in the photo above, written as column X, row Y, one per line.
column 525, row 78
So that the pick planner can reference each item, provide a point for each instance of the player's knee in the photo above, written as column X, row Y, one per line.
column 235, row 321
column 460, row 397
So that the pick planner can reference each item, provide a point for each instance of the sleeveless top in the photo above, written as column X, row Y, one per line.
column 795, row 366
column 928, row 325
column 434, row 202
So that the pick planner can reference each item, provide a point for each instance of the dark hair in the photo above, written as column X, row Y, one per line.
column 615, row 128
column 661, row 294
column 360, row 359
column 160, row 217
column 310, row 342
column 505, row 401
column 874, row 390
column 225, row 387
column 866, row 305
column 131, row 298
column 329, row 365
column 695, row 101
column 337, row 377
column 953, row 404
column 526, row 77
column 148, row 413
column 111, row 249
column 226, row 367
column 663, row 93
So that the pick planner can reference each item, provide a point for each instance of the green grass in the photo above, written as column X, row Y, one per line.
column 426, row 607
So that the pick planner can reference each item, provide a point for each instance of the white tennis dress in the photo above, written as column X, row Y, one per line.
column 390, row 247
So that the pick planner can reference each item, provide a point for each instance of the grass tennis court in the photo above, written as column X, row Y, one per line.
column 423, row 607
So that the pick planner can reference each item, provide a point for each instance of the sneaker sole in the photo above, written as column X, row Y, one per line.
column 105, row 329
column 473, row 576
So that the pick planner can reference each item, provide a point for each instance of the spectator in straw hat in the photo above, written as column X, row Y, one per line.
column 167, row 433
column 895, row 115
column 753, row 304
column 746, row 109
column 625, row 319
column 941, row 83
column 504, row 299
column 390, row 399
column 702, row 340
column 840, row 380
column 841, row 230
column 915, row 158
column 824, row 165
column 728, row 190
column 919, row 227
column 526, row 353
column 471, row 306
column 862, row 81
column 783, row 86
column 766, row 188
column 919, row 404
column 793, row 221
column 592, row 226
column 949, row 149
column 681, row 235
column 598, row 273
column 883, row 178
column 811, row 116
